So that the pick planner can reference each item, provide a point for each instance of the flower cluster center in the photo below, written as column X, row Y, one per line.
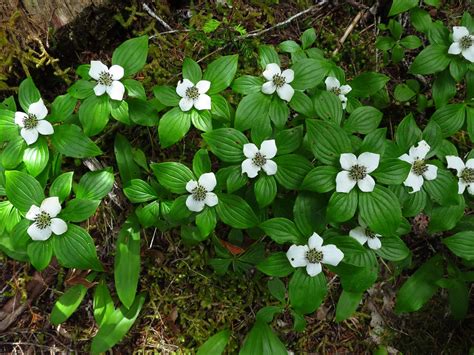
column 419, row 167
column 468, row 175
column 358, row 172
column 369, row 233
column 30, row 121
column 466, row 42
column 336, row 91
column 199, row 193
column 259, row 159
column 43, row 220
column 105, row 78
column 314, row 256
column 192, row 93
column 279, row 80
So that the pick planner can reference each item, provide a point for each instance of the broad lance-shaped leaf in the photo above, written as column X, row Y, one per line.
column 128, row 168
column 221, row 72
column 234, row 211
column 23, row 190
column 306, row 293
column 36, row 156
column 261, row 340
column 227, row 144
column 131, row 54
column 461, row 244
column 216, row 344
column 69, row 140
column 173, row 176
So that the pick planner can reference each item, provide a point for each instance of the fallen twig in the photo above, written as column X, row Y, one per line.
column 348, row 31
column 156, row 17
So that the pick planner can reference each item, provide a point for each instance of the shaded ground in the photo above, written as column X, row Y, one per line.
column 187, row 302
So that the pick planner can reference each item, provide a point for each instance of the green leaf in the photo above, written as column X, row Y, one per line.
column 221, row 109
column 40, row 253
column 461, row 244
column 367, row 84
column 301, row 103
column 201, row 162
column 94, row 114
column 262, row 340
column 450, row 118
column 432, row 59
column 306, row 293
column 420, row 19
column 12, row 154
column 393, row 249
column 127, row 262
column 128, row 168
column 251, row 109
column 119, row 111
column 134, row 89
column 221, row 72
column 407, row 133
column 61, row 186
column 277, row 289
column 381, row 210
column 227, row 144
column 23, row 190
column 328, row 106
column 327, row 141
column 116, row 326
column 28, row 94
column 392, row 171
column 403, row 93
column 278, row 112
column 82, row 89
column 216, row 344
column 411, row 42
column 385, row 43
column 289, row 46
column 342, row 206
column 281, row 230
column 76, row 249
column 191, row 70
column 8, row 128
column 308, row 37
column 310, row 213
column 443, row 190
column 173, row 126
column 289, row 140
column 78, row 210
column 234, row 211
column 166, row 95
column 347, row 304
column 131, row 55
column 320, row 179
column 267, row 55
column 69, row 140
column 364, row 119
column 179, row 211
column 139, row 191
column 308, row 73
column 265, row 189
column 173, row 176
column 62, row 108
column 142, row 112
column 148, row 214
column 399, row 6
column 36, row 156
column 292, row 169
column 276, row 264
column 206, row 221
column 103, row 303
column 420, row 287
column 247, row 84
column 95, row 185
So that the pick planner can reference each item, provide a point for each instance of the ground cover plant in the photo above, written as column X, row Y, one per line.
column 288, row 173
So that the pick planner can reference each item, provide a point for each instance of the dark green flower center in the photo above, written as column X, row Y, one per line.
column 419, row 167
column 336, row 91
column 314, row 256
column 199, row 193
column 465, row 42
column 105, row 78
column 358, row 172
column 369, row 234
column 30, row 121
column 259, row 159
column 192, row 93
column 468, row 175
column 43, row 220
column 279, row 80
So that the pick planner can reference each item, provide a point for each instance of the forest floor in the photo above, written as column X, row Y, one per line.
column 187, row 302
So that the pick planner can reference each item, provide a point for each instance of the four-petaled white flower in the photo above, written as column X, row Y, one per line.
column 44, row 219
column 259, row 159
column 333, row 85
column 33, row 123
column 364, row 235
column 201, row 192
column 194, row 95
column 278, row 81
column 356, row 171
column 420, row 170
column 465, row 173
column 463, row 43
column 107, row 79
column 314, row 254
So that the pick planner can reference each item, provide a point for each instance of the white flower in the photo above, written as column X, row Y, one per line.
column 33, row 122
column 259, row 159
column 194, row 95
column 419, row 169
column 44, row 221
column 465, row 173
column 356, row 171
column 463, row 43
column 278, row 81
column 107, row 79
column 201, row 192
column 314, row 254
column 333, row 85
column 364, row 235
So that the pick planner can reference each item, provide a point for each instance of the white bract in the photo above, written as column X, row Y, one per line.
column 201, row 192
column 364, row 235
column 356, row 171
column 463, row 43
column 258, row 159
column 33, row 123
column 333, row 85
column 107, row 79
column 465, row 173
column 278, row 81
column 194, row 95
column 314, row 254
column 420, row 170
column 44, row 219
